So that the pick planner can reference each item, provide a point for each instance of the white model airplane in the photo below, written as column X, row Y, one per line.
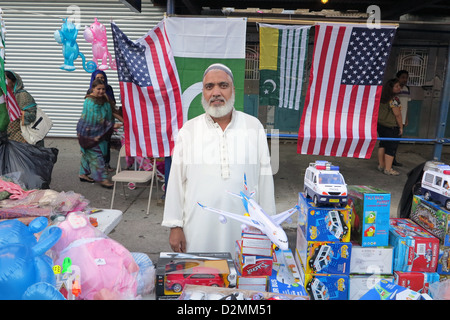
column 257, row 218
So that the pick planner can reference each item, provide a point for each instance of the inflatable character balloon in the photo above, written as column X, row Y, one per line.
column 96, row 34
column 25, row 270
column 67, row 36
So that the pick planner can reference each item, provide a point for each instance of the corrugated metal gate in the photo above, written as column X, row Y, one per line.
column 33, row 53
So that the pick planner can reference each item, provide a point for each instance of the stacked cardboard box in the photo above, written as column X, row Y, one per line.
column 323, row 249
column 372, row 256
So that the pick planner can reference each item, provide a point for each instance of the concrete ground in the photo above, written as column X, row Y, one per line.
column 140, row 232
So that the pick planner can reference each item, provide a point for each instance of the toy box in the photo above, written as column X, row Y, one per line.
column 175, row 270
column 257, row 283
column 286, row 278
column 431, row 217
column 252, row 265
column 370, row 216
column 361, row 284
column 328, row 257
column 254, row 242
column 371, row 260
column 388, row 290
column 414, row 248
column 323, row 223
column 417, row 281
column 327, row 286
column 443, row 267
column 301, row 248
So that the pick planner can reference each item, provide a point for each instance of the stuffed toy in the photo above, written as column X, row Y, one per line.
column 108, row 270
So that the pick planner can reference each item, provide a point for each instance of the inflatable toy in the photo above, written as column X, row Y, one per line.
column 67, row 36
column 96, row 34
column 25, row 271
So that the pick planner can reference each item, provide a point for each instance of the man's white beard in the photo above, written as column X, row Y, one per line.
column 218, row 112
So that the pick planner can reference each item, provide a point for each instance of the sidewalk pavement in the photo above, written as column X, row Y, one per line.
column 140, row 232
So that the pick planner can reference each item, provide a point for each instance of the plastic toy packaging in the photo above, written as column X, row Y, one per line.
column 440, row 290
column 108, row 270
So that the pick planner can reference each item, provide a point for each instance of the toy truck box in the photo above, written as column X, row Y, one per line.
column 370, row 215
column 327, row 286
column 371, row 260
column 323, row 223
column 416, row 281
column 286, row 277
column 414, row 248
column 252, row 265
column 388, row 290
column 431, row 217
column 328, row 257
column 443, row 267
column 361, row 284
column 175, row 270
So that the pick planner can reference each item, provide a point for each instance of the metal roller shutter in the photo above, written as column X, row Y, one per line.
column 33, row 53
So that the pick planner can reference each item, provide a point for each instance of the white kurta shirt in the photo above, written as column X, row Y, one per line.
column 206, row 163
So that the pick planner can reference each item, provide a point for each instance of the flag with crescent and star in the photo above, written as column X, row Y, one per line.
column 283, row 53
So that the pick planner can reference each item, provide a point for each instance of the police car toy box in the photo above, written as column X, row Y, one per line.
column 415, row 249
column 323, row 223
column 328, row 257
column 324, row 184
column 370, row 215
column 432, row 217
column 327, row 286
column 435, row 184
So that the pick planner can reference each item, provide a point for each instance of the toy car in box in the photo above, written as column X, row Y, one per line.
column 328, row 257
column 432, row 217
column 327, row 286
column 324, row 184
column 415, row 249
column 251, row 265
column 370, row 215
column 323, row 223
column 175, row 270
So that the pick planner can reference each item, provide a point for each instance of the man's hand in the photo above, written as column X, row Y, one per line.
column 177, row 239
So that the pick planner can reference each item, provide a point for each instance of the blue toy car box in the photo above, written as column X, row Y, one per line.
column 328, row 257
column 388, row 290
column 370, row 217
column 323, row 223
column 327, row 286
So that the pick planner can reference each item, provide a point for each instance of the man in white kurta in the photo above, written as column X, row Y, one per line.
column 209, row 159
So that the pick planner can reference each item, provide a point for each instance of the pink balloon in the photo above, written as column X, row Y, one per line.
column 96, row 34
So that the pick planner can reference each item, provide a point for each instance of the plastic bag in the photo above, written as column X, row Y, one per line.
column 34, row 163
column 440, row 290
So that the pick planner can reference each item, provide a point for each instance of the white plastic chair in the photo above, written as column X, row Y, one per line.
column 133, row 176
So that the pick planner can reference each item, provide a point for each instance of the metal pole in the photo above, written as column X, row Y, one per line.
column 170, row 6
column 443, row 111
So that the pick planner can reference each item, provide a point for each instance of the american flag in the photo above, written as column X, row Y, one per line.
column 346, row 77
column 12, row 106
column 150, row 92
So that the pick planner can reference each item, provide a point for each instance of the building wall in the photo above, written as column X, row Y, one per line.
column 33, row 53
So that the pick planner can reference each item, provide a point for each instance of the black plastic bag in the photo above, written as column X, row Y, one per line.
column 34, row 163
column 411, row 188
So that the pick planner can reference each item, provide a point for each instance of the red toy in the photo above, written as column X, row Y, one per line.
column 202, row 276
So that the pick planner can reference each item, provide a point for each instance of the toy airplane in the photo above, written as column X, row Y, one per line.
column 257, row 218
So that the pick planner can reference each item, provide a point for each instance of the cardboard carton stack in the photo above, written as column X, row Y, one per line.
column 372, row 257
column 323, row 249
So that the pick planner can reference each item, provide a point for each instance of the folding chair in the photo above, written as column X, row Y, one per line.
column 134, row 176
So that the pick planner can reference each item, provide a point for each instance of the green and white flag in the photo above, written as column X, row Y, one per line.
column 199, row 42
column 283, row 54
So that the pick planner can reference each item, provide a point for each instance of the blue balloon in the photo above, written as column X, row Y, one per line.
column 42, row 291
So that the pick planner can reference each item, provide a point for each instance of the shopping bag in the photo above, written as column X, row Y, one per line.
column 37, row 130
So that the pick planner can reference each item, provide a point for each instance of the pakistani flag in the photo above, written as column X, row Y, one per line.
column 199, row 42
column 283, row 53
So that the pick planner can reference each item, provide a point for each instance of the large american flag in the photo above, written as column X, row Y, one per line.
column 346, row 77
column 150, row 92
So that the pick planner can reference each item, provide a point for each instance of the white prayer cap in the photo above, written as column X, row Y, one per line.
column 219, row 66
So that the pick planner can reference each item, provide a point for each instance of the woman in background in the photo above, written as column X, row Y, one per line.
column 390, row 125
column 94, row 129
